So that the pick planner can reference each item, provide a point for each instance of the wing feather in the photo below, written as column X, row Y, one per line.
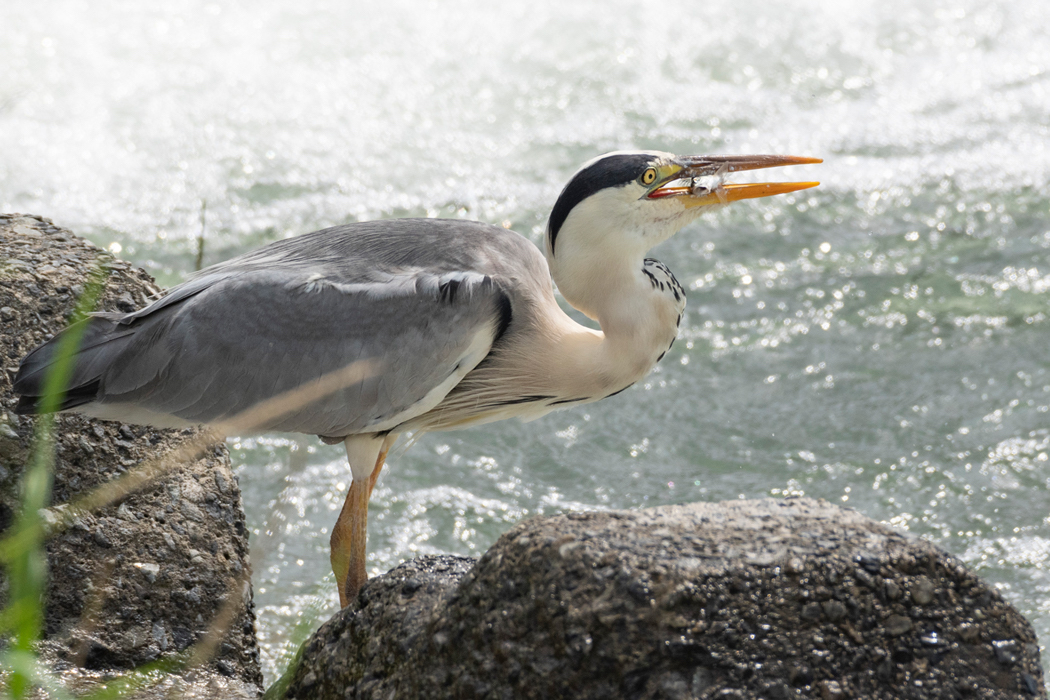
column 254, row 335
column 422, row 301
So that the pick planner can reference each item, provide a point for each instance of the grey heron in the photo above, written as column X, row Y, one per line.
column 411, row 324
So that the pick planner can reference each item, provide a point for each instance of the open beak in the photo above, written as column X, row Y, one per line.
column 680, row 180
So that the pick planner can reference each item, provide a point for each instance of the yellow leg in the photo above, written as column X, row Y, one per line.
column 375, row 472
column 350, row 534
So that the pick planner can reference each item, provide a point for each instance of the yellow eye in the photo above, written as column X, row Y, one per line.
column 649, row 176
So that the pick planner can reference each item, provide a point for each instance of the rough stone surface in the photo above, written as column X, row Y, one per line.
column 156, row 566
column 200, row 684
column 743, row 599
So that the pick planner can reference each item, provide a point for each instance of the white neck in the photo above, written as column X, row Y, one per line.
column 638, row 318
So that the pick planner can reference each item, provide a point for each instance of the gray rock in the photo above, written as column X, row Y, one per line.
column 743, row 599
column 922, row 591
column 831, row 690
column 122, row 561
column 896, row 625
column 834, row 610
column 409, row 596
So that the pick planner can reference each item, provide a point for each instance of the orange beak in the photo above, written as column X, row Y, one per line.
column 680, row 181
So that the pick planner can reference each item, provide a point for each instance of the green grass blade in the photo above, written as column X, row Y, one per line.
column 23, row 616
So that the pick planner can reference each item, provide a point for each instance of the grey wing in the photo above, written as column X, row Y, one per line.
column 240, row 339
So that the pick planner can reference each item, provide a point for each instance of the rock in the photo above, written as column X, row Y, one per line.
column 195, row 685
column 402, row 605
column 896, row 625
column 922, row 591
column 834, row 610
column 831, row 690
column 743, row 599
column 128, row 565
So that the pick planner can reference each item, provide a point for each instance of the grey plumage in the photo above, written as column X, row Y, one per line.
column 264, row 323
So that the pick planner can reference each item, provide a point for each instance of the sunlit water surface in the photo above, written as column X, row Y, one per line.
column 881, row 342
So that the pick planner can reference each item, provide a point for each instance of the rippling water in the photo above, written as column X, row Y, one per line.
column 881, row 341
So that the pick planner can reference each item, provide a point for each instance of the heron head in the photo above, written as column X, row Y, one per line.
column 628, row 201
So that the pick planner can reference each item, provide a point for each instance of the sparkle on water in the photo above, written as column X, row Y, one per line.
column 880, row 342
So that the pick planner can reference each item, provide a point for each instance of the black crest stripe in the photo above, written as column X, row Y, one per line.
column 611, row 171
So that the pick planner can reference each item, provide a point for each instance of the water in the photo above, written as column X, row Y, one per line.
column 880, row 341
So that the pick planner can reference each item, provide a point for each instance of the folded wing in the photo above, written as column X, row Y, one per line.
column 228, row 340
